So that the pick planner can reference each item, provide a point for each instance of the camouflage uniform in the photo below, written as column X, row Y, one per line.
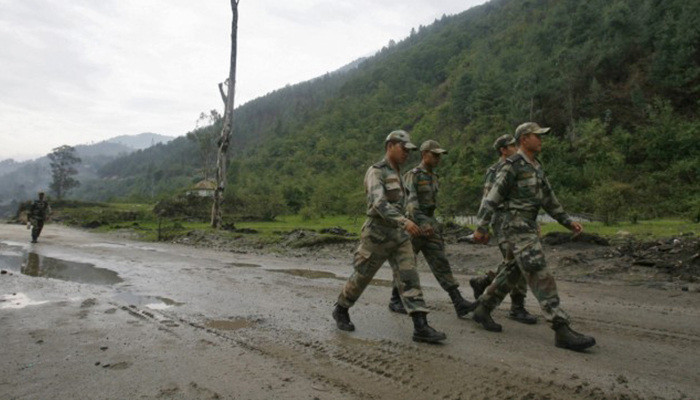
column 39, row 211
column 520, row 288
column 384, row 238
column 521, row 186
column 423, row 188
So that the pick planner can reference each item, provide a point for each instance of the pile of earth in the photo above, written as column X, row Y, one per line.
column 678, row 257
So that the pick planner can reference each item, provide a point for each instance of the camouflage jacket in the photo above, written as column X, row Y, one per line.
column 422, row 188
column 386, row 194
column 522, row 188
column 40, row 209
column 489, row 180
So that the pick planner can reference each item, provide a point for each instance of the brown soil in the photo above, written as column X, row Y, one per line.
column 241, row 322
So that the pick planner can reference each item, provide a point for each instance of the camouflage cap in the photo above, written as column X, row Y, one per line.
column 433, row 147
column 401, row 136
column 529, row 127
column 503, row 141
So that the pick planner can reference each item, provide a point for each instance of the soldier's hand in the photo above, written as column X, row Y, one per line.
column 577, row 228
column 412, row 228
column 481, row 238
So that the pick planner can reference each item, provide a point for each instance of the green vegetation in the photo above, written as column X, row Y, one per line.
column 662, row 228
column 617, row 80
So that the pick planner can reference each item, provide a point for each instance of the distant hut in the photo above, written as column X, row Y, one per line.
column 203, row 188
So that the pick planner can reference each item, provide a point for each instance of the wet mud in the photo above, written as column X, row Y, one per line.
column 190, row 323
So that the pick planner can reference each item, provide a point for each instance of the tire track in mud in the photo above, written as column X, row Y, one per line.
column 371, row 369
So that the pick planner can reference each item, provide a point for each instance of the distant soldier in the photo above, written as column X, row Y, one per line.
column 505, row 146
column 385, row 236
column 523, row 187
column 39, row 212
column 422, row 184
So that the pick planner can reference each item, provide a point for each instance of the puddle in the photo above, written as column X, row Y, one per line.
column 312, row 274
column 231, row 324
column 17, row 300
column 105, row 244
column 32, row 264
column 243, row 265
column 152, row 302
column 307, row 273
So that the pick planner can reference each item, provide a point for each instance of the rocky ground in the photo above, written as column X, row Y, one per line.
column 97, row 316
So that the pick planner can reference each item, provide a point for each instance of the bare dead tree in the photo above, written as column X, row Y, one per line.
column 225, row 139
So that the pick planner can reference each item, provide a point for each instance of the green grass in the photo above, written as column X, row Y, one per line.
column 642, row 229
column 112, row 216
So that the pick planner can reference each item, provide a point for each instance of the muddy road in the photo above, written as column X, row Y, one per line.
column 92, row 316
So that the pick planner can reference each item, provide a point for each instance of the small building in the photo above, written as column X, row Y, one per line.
column 203, row 188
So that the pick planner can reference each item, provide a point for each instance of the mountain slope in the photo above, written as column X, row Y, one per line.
column 618, row 81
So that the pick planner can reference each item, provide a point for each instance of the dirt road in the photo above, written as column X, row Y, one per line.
column 92, row 316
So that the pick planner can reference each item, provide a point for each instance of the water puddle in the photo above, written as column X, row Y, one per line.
column 33, row 264
column 307, row 273
column 152, row 302
column 17, row 300
column 231, row 324
column 313, row 274
column 243, row 265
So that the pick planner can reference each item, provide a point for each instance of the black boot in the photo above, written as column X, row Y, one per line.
column 479, row 285
column 483, row 316
column 342, row 319
column 422, row 332
column 462, row 306
column 395, row 304
column 567, row 338
column 518, row 311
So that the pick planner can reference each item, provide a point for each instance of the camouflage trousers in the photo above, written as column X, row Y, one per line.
column 433, row 250
column 37, row 226
column 378, row 244
column 530, row 264
column 519, row 290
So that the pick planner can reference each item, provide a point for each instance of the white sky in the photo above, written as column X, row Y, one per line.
column 82, row 71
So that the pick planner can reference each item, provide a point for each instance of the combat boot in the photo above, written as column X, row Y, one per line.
column 395, row 304
column 567, row 338
column 479, row 285
column 462, row 306
column 483, row 316
column 518, row 311
column 342, row 318
column 422, row 332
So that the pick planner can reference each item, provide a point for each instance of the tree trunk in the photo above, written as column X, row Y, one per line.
column 225, row 138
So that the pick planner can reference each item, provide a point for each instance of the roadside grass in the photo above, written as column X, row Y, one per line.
column 642, row 229
column 140, row 218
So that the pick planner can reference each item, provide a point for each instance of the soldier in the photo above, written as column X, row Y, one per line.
column 522, row 186
column 422, row 185
column 505, row 146
column 385, row 236
column 39, row 213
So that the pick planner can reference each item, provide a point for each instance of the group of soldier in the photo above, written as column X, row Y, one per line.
column 401, row 223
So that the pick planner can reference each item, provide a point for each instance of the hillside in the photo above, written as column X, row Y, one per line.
column 618, row 81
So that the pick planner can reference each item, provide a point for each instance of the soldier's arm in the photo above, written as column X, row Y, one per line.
column 504, row 181
column 377, row 198
column 551, row 205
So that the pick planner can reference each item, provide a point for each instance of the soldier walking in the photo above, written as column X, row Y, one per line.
column 505, row 146
column 385, row 236
column 39, row 212
column 523, row 187
column 423, row 186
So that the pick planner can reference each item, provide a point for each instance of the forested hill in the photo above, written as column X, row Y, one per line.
column 617, row 80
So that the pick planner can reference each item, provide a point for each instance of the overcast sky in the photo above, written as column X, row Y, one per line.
column 82, row 71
